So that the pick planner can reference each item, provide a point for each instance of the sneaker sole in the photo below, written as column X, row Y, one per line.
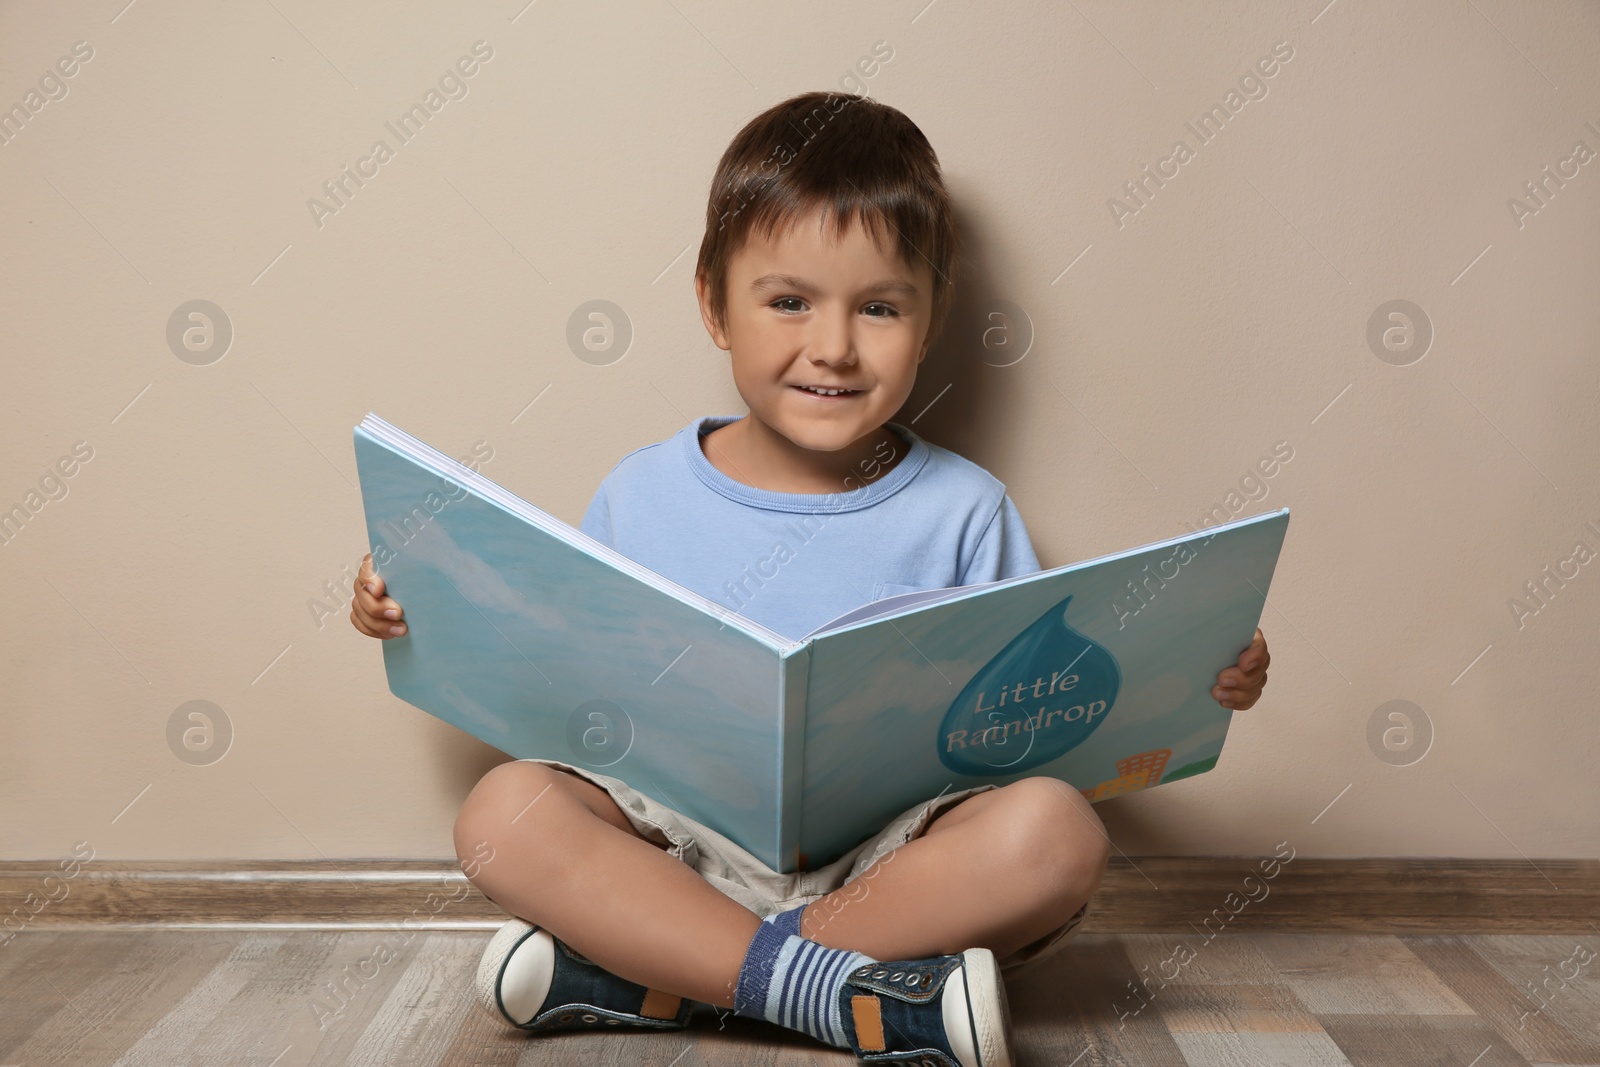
column 987, row 1007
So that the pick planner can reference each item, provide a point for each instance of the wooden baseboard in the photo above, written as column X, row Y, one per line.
column 1142, row 895
column 1183, row 894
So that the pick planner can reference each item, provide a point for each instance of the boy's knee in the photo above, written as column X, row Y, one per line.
column 498, row 798
column 1059, row 826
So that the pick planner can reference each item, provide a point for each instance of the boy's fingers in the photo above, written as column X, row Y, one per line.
column 1255, row 659
column 360, row 622
column 364, row 602
column 1237, row 699
column 368, row 578
column 1238, row 688
column 376, row 608
column 371, row 612
column 379, row 605
column 381, row 628
column 1256, row 655
column 1237, row 678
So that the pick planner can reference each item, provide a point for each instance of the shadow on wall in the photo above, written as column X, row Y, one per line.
column 984, row 334
column 953, row 402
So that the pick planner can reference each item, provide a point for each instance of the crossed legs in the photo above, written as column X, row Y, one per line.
column 998, row 870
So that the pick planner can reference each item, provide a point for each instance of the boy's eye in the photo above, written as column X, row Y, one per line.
column 793, row 305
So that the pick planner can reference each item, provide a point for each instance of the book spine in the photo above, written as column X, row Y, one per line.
column 794, row 673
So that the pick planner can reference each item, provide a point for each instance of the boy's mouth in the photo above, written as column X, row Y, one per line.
column 823, row 392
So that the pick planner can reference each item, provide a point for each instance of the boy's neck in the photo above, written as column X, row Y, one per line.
column 753, row 453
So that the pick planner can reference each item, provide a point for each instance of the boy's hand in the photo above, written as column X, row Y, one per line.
column 1239, row 686
column 370, row 611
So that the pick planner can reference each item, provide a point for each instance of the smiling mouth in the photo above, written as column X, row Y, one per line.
column 813, row 390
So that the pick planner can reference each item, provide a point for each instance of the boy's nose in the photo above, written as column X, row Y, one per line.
column 831, row 341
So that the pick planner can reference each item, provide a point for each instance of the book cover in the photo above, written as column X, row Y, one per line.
column 539, row 640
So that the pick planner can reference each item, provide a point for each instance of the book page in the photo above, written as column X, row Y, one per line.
column 891, row 604
column 923, row 598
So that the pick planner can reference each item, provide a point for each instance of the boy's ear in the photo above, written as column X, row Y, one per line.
column 702, row 292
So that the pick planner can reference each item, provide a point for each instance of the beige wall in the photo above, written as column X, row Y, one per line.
column 1171, row 350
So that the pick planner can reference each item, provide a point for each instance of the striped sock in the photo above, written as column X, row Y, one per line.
column 788, row 980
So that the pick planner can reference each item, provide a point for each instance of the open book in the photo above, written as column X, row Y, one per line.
column 541, row 641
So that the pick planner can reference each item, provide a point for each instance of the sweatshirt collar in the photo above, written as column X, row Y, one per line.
column 916, row 453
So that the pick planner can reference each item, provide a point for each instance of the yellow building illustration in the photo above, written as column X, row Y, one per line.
column 1154, row 761
column 1134, row 773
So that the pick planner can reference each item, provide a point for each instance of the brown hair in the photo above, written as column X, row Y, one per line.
column 862, row 159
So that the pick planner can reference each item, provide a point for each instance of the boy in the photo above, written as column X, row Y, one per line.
column 825, row 273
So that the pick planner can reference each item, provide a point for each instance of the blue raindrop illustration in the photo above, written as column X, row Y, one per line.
column 1040, row 697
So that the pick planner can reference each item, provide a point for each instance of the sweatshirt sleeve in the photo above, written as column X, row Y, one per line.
column 1004, row 550
column 597, row 520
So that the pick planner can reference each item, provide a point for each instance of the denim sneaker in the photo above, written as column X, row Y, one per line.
column 536, row 981
column 943, row 1011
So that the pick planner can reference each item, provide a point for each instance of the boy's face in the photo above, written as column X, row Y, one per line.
column 804, row 310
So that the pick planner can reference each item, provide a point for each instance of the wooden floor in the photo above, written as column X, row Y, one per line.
column 255, row 997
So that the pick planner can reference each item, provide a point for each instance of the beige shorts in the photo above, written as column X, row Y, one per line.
column 738, row 874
